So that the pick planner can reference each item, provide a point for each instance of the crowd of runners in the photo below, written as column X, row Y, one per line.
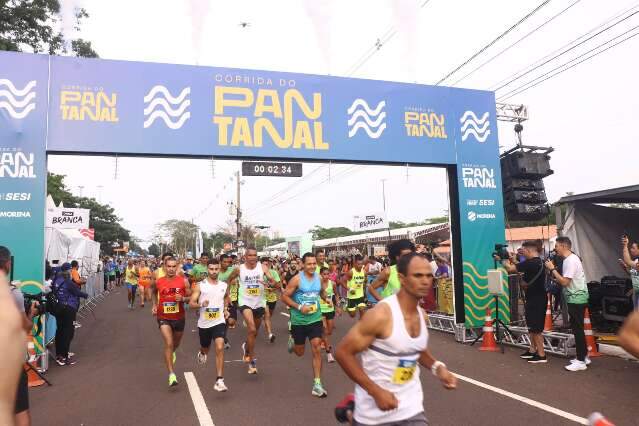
column 218, row 292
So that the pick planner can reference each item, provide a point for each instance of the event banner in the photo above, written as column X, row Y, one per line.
column 370, row 222
column 23, row 170
column 110, row 107
column 61, row 217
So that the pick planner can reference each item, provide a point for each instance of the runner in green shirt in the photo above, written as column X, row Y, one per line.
column 270, row 291
column 328, row 311
column 388, row 278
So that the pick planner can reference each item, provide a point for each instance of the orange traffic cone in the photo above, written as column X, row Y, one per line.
column 590, row 338
column 33, row 378
column 488, row 343
column 548, row 321
column 597, row 419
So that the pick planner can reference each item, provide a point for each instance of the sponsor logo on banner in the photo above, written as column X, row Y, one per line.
column 488, row 203
column 479, row 177
column 67, row 218
column 88, row 233
column 370, row 222
column 17, row 164
column 15, row 214
column 17, row 102
column 249, row 117
column 79, row 103
column 361, row 116
column 472, row 216
column 424, row 123
column 159, row 103
column 473, row 126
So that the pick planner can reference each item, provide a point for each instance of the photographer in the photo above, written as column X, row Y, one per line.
column 630, row 260
column 533, row 280
column 68, row 295
column 573, row 281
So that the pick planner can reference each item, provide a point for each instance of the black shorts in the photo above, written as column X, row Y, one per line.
column 328, row 315
column 271, row 306
column 22, row 395
column 301, row 332
column 207, row 335
column 117, row 274
column 176, row 325
column 233, row 310
column 535, row 312
column 257, row 313
column 111, row 277
column 355, row 304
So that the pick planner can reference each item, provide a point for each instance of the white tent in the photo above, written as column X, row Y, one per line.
column 66, row 245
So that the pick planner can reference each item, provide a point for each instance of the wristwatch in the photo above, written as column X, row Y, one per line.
column 435, row 367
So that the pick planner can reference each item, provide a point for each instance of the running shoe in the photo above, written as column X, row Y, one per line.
column 291, row 343
column 252, row 367
column 201, row 358
column 77, row 324
column 69, row 361
column 330, row 358
column 536, row 359
column 172, row 380
column 271, row 337
column 174, row 357
column 220, row 386
column 576, row 366
column 527, row 355
column 60, row 361
column 588, row 360
column 71, row 354
column 245, row 357
column 319, row 391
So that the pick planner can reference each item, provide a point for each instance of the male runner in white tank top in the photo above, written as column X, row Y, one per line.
column 392, row 339
column 212, row 298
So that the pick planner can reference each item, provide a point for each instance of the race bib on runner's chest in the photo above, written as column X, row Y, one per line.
column 253, row 290
column 404, row 371
column 170, row 307
column 312, row 308
column 211, row 313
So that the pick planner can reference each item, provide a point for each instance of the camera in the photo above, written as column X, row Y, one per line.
column 501, row 251
column 39, row 298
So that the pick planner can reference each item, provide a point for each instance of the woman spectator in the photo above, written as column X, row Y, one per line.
column 68, row 295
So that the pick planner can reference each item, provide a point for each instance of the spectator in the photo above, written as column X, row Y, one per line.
column 573, row 281
column 432, row 262
column 442, row 270
column 68, row 303
column 75, row 274
column 533, row 284
column 630, row 260
column 9, row 397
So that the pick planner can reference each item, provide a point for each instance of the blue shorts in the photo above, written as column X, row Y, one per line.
column 132, row 287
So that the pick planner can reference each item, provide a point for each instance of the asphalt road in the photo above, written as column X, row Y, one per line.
column 120, row 379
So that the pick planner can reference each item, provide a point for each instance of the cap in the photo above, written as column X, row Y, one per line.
column 66, row 266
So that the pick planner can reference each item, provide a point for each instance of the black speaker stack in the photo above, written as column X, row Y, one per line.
column 524, row 192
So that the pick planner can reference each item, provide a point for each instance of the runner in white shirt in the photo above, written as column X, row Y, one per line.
column 212, row 298
column 392, row 339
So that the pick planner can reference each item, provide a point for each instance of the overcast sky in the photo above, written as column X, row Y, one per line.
column 588, row 113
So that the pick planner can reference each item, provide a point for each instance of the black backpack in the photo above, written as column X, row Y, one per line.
column 53, row 303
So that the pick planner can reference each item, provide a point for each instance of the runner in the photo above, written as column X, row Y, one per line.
column 320, row 255
column 388, row 278
column 110, row 268
column 211, row 297
column 225, row 272
column 169, row 293
column 131, row 277
column 144, row 282
column 328, row 312
column 392, row 341
column 251, row 301
column 199, row 271
column 303, row 295
column 271, row 297
column 354, row 281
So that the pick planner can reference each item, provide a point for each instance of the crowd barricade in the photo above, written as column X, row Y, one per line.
column 94, row 287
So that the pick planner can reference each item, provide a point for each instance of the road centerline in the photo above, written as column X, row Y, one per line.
column 202, row 411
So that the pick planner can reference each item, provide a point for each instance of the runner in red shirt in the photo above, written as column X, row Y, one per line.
column 169, row 294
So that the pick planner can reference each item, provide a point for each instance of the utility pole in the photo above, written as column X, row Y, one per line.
column 238, row 211
column 384, row 204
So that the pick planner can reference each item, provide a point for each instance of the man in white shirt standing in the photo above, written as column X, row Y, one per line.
column 573, row 281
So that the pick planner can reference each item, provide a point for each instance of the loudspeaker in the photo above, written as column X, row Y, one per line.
column 523, row 184
column 522, row 211
column 520, row 164
column 616, row 308
column 527, row 197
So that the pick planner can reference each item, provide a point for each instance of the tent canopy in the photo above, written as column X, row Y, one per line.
column 626, row 194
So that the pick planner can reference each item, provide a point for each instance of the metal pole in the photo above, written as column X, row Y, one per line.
column 384, row 203
column 238, row 212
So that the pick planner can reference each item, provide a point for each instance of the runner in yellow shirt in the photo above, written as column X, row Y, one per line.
column 270, row 291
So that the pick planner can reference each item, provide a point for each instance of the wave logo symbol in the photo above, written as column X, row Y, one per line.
column 361, row 116
column 18, row 102
column 159, row 103
column 473, row 126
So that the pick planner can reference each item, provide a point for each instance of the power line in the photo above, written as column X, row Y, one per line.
column 516, row 43
column 518, row 73
column 379, row 43
column 567, row 50
column 517, row 91
column 499, row 37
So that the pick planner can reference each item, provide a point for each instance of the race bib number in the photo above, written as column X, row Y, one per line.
column 170, row 307
column 312, row 308
column 253, row 291
column 404, row 371
column 211, row 314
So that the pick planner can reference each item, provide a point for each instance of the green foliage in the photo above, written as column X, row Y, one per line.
column 320, row 233
column 34, row 25
column 181, row 234
column 154, row 250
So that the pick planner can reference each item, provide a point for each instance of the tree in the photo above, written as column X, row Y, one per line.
column 181, row 234
column 36, row 26
column 154, row 250
column 58, row 190
column 321, row 233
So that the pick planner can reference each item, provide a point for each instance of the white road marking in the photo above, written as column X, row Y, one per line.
column 285, row 314
column 525, row 400
column 203, row 414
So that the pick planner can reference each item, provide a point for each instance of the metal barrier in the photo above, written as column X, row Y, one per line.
column 554, row 342
column 94, row 287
